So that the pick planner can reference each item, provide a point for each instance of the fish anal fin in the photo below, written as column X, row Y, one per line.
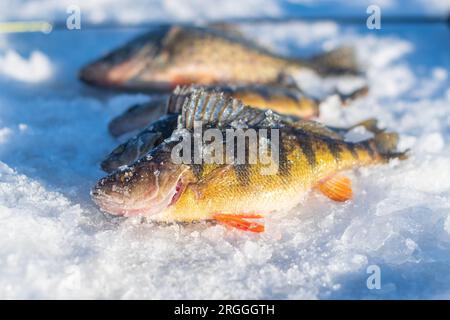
column 336, row 187
column 239, row 221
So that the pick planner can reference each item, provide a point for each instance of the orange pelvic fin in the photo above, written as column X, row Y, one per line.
column 238, row 221
column 336, row 187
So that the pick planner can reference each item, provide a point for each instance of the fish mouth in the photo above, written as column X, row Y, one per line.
column 126, row 207
column 122, row 68
column 124, row 76
column 118, row 68
column 104, row 74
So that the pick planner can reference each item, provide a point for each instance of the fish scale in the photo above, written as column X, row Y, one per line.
column 311, row 157
column 302, row 175
column 182, row 55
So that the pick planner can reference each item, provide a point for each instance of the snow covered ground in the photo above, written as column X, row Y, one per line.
column 54, row 243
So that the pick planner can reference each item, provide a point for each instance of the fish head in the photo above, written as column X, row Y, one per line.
column 123, row 68
column 146, row 187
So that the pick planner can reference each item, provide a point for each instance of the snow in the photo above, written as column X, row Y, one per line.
column 54, row 243
column 36, row 68
column 100, row 11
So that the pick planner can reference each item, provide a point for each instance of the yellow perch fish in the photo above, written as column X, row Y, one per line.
column 288, row 101
column 181, row 55
column 158, row 130
column 303, row 156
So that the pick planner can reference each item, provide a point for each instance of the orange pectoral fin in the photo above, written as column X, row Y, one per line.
column 238, row 221
column 336, row 187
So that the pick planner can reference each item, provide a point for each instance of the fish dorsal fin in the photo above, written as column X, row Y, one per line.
column 213, row 108
column 176, row 99
column 218, row 109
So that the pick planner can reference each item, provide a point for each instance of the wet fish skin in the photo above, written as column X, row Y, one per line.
column 136, row 147
column 305, row 159
column 234, row 190
column 289, row 101
column 116, row 67
column 181, row 55
column 146, row 186
column 139, row 145
column 308, row 158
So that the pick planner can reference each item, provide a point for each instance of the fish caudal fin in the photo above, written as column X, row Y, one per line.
column 238, row 221
column 386, row 145
column 386, row 142
column 370, row 125
column 347, row 98
column 339, row 61
column 336, row 187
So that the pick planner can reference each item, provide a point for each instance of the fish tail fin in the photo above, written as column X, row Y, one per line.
column 386, row 146
column 347, row 98
column 370, row 124
column 339, row 61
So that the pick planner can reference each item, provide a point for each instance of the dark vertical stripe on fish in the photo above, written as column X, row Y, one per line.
column 367, row 146
column 334, row 148
column 306, row 145
column 284, row 164
column 242, row 171
column 352, row 148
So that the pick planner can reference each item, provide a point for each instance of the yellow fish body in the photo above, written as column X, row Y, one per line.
column 310, row 161
column 309, row 156
column 174, row 55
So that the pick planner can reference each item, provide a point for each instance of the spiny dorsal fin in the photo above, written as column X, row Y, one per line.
column 214, row 108
column 219, row 109
column 176, row 99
